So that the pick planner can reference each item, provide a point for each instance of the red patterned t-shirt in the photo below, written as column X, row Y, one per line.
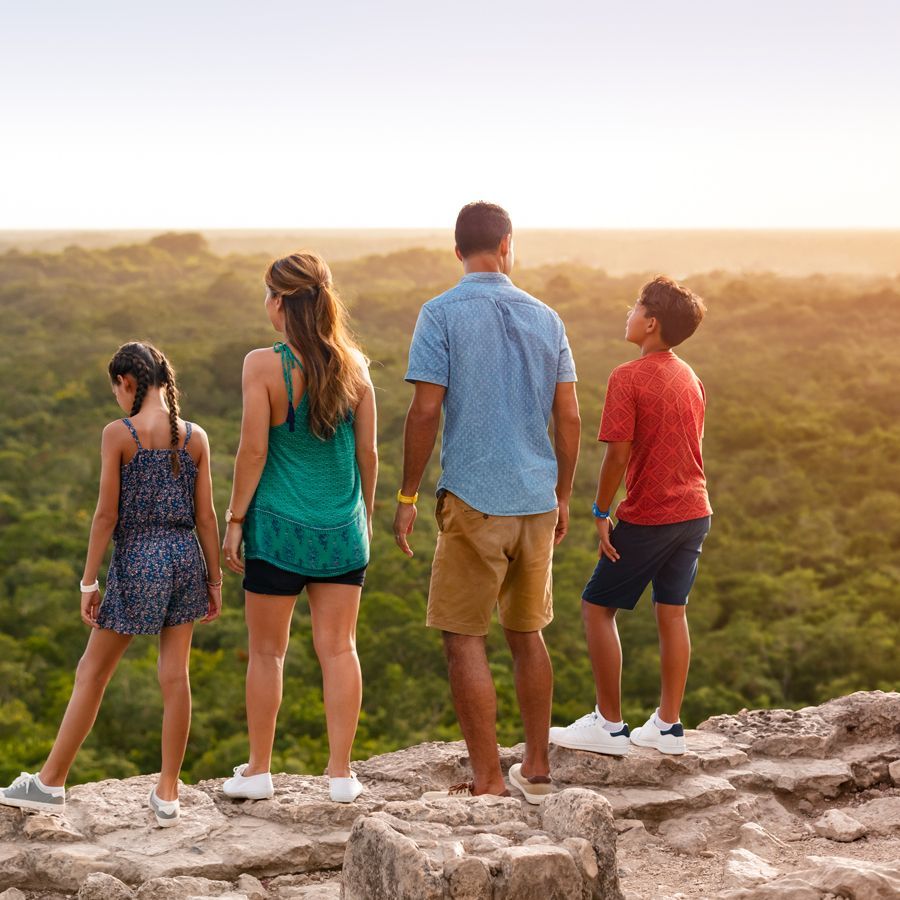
column 658, row 403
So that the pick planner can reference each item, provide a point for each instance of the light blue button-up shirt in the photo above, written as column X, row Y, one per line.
column 500, row 353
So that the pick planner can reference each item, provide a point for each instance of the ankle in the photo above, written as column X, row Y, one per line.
column 50, row 779
column 490, row 787
column 334, row 771
column 166, row 790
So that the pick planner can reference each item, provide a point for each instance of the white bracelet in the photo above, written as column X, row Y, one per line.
column 89, row 588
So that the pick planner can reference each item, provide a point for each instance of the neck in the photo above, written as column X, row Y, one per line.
column 483, row 262
column 653, row 345
column 154, row 399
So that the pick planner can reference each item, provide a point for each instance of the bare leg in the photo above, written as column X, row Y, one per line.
column 606, row 657
column 95, row 668
column 333, row 609
column 174, row 681
column 269, row 627
column 674, row 658
column 476, row 707
column 534, row 688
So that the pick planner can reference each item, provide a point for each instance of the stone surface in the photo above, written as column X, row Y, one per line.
column 683, row 836
column 100, row 886
column 756, row 839
column 836, row 825
column 880, row 816
column 812, row 779
column 182, row 887
column 468, row 879
column 12, row 894
column 537, row 873
column 894, row 771
column 250, row 886
column 746, row 869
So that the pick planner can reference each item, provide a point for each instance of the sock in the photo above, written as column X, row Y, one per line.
column 660, row 724
column 607, row 725
column 47, row 789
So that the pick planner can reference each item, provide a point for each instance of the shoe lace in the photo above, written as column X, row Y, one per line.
column 25, row 779
column 239, row 770
column 464, row 787
column 584, row 721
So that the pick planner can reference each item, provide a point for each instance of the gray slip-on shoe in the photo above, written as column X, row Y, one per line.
column 167, row 812
column 26, row 793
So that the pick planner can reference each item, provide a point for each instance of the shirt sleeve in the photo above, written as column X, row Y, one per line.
column 429, row 352
column 619, row 409
column 565, row 368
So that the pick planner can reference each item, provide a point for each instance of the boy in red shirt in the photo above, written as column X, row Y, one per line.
column 653, row 427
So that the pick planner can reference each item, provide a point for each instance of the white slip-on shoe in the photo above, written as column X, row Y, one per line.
column 670, row 741
column 27, row 792
column 253, row 787
column 535, row 790
column 167, row 812
column 345, row 790
column 588, row 733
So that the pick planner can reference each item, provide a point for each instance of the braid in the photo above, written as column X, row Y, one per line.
column 142, row 375
column 172, row 401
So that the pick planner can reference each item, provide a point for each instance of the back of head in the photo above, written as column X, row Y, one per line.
column 149, row 368
column 678, row 310
column 480, row 227
column 315, row 322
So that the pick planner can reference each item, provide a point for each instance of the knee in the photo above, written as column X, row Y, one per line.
column 331, row 646
column 268, row 656
column 89, row 674
column 173, row 677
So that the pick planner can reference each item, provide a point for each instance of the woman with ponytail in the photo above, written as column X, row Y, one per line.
column 155, row 487
column 304, row 489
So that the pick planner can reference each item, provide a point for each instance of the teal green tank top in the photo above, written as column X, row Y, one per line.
column 308, row 514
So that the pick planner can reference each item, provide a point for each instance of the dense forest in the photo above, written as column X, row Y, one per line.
column 798, row 597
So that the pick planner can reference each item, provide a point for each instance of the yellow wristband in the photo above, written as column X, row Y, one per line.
column 402, row 498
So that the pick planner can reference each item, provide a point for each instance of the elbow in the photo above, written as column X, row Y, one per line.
column 422, row 418
column 106, row 520
column 206, row 519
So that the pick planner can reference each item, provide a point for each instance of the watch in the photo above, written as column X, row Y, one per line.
column 231, row 517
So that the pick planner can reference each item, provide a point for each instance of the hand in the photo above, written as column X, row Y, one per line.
column 90, row 606
column 231, row 547
column 404, row 520
column 214, row 594
column 562, row 522
column 604, row 530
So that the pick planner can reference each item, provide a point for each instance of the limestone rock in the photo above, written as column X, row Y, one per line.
column 42, row 827
column 809, row 778
column 251, row 886
column 537, row 873
column 894, row 771
column 100, row 886
column 746, row 869
column 836, row 825
column 586, row 862
column 403, row 872
column 683, row 836
column 12, row 894
column 181, row 887
column 468, row 879
column 484, row 843
column 578, row 812
column 880, row 816
column 634, row 838
column 756, row 839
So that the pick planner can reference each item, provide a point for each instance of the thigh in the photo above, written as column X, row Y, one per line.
column 620, row 584
column 104, row 650
column 526, row 595
column 468, row 568
column 673, row 581
column 269, row 622
column 175, row 646
column 333, row 610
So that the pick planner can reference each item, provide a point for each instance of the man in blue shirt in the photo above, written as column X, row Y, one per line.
column 498, row 361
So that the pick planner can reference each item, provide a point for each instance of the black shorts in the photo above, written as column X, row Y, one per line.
column 262, row 577
column 666, row 555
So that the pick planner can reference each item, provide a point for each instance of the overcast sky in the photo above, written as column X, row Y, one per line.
column 775, row 113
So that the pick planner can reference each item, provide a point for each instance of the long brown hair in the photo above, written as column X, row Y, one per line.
column 315, row 322
column 149, row 368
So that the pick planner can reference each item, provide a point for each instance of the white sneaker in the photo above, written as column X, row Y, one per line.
column 670, row 741
column 253, row 787
column 345, row 790
column 27, row 792
column 167, row 812
column 588, row 733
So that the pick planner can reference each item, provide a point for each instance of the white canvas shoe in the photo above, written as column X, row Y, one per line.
column 167, row 812
column 345, row 790
column 670, row 741
column 27, row 792
column 253, row 787
column 588, row 733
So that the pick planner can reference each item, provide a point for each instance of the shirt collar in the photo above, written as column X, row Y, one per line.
column 488, row 277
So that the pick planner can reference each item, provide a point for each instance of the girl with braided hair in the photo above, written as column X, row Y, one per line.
column 301, row 506
column 155, row 489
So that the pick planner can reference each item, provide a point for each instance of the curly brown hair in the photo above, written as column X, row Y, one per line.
column 678, row 310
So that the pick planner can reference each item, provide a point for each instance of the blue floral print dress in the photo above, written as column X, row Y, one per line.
column 157, row 577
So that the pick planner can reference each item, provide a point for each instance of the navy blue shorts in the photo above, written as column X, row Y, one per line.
column 666, row 555
column 261, row 577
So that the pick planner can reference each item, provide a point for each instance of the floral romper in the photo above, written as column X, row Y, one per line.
column 157, row 577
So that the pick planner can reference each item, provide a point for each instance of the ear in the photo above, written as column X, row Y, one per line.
column 505, row 244
column 459, row 255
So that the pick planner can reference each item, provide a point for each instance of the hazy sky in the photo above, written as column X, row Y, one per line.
column 775, row 113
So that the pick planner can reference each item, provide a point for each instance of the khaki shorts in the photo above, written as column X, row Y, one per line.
column 483, row 561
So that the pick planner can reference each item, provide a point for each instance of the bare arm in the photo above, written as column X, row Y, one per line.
column 567, row 443
column 207, row 525
column 106, row 515
column 365, row 431
column 251, row 455
column 615, row 462
column 419, row 435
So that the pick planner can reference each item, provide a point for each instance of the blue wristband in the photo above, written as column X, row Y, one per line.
column 599, row 513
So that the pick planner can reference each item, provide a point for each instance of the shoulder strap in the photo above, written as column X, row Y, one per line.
column 288, row 361
column 134, row 433
column 188, row 429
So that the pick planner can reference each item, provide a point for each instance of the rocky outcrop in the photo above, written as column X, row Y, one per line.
column 766, row 804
